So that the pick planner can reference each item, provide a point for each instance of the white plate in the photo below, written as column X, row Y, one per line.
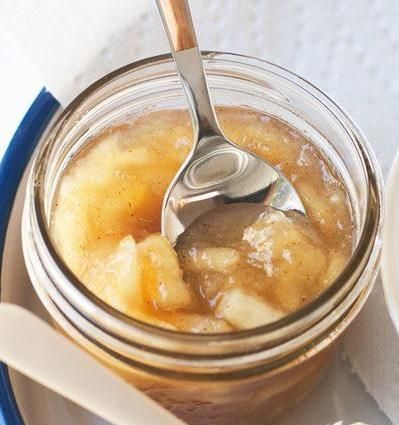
column 390, row 259
column 339, row 397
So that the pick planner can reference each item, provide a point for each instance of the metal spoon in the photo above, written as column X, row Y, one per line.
column 217, row 171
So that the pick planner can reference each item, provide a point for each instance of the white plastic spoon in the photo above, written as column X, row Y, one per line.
column 34, row 348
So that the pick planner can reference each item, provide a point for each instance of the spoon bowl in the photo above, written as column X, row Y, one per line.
column 217, row 171
column 221, row 173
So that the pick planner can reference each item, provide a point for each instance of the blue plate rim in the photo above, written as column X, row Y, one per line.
column 12, row 167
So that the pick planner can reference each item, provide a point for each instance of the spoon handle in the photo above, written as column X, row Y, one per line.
column 178, row 25
column 34, row 348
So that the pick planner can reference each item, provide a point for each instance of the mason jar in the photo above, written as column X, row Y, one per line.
column 245, row 377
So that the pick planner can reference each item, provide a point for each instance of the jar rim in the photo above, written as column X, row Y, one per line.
column 339, row 289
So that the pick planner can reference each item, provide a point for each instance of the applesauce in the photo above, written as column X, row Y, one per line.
column 245, row 376
column 230, row 271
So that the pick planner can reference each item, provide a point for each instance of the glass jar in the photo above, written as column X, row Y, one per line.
column 244, row 377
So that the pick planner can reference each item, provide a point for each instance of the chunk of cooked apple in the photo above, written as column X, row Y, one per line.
column 116, row 278
column 244, row 310
column 219, row 259
column 162, row 278
column 292, row 255
column 199, row 323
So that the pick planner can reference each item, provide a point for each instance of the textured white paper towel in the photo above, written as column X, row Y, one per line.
column 349, row 49
column 61, row 37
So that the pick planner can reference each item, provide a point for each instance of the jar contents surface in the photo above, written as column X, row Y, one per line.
column 226, row 273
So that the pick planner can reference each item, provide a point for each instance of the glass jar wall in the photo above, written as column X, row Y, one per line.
column 249, row 376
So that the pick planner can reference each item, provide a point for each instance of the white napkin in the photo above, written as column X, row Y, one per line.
column 348, row 49
column 62, row 37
